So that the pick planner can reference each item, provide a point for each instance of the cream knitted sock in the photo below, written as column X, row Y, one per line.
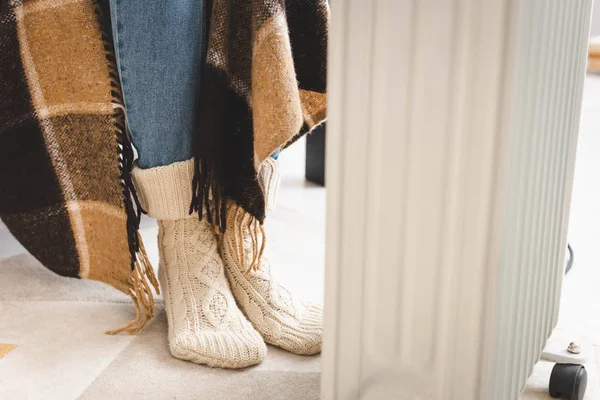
column 205, row 324
column 281, row 317
column 269, row 178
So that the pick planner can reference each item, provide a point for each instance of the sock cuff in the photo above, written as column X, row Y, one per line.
column 268, row 177
column 165, row 192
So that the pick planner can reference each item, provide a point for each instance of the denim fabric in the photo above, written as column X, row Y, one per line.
column 275, row 154
column 160, row 47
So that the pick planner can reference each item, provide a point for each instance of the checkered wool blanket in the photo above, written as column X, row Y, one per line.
column 65, row 159
column 65, row 189
column 263, row 86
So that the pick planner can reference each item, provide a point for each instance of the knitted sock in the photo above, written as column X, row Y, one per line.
column 268, row 177
column 205, row 324
column 281, row 317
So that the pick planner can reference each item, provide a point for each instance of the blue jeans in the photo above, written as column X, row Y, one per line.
column 160, row 45
column 275, row 154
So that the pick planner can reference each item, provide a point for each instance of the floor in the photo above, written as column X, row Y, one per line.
column 57, row 324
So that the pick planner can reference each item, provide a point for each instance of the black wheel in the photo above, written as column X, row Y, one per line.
column 568, row 381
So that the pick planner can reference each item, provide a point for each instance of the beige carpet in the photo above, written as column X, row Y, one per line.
column 62, row 352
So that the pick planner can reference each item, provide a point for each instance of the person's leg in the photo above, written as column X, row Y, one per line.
column 268, row 177
column 205, row 324
column 282, row 318
column 159, row 47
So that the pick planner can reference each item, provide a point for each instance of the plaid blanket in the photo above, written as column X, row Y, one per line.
column 263, row 86
column 65, row 189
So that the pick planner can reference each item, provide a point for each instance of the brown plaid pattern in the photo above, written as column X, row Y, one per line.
column 263, row 86
column 63, row 182
column 65, row 189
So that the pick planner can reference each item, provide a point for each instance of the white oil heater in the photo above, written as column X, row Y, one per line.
column 451, row 143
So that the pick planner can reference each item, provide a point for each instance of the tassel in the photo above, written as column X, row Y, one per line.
column 140, row 292
column 141, row 274
column 207, row 195
column 247, row 228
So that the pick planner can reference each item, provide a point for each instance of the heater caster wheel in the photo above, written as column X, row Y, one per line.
column 568, row 381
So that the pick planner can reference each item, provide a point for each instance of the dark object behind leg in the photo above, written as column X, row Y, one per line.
column 315, row 156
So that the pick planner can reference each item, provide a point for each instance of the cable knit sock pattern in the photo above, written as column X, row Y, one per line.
column 205, row 324
column 282, row 318
column 269, row 178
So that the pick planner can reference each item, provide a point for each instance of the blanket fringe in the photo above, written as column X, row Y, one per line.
column 207, row 195
column 141, row 275
column 209, row 201
column 140, row 292
column 249, row 238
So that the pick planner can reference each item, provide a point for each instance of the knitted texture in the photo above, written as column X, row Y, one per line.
column 205, row 324
column 282, row 318
column 269, row 178
column 165, row 192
